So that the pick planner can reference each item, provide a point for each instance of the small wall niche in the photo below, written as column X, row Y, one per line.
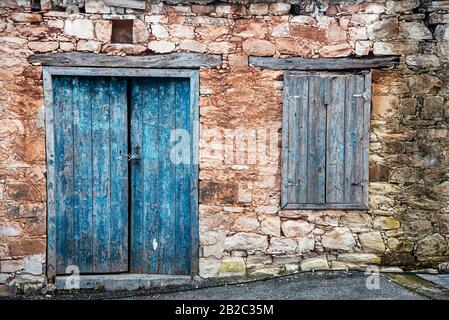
column 35, row 5
column 122, row 31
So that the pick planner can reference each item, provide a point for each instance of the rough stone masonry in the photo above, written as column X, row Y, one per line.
column 242, row 229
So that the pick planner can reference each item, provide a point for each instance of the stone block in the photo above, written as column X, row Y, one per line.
column 23, row 17
column 270, row 225
column 203, row 9
column 280, row 8
column 246, row 223
column 384, row 29
column 306, row 244
column 415, row 30
column 314, row 264
column 405, row 5
column 424, row 84
column 246, row 241
column 291, row 46
column 103, row 30
column 372, row 242
column 182, row 31
column 4, row 277
column 96, row 7
column 296, row 228
column 250, row 28
column 80, row 28
column 339, row 238
column 26, row 247
column 432, row 245
column 258, row 47
column 140, row 31
column 192, row 46
column 425, row 61
column 11, row 266
column 211, row 191
column 208, row 267
column 385, row 223
column 88, row 45
column 258, row 259
column 258, row 9
column 359, row 258
column 282, row 245
column 266, row 270
column 395, row 47
column 9, row 230
column 363, row 48
column 34, row 264
column 38, row 46
column 232, row 267
column 433, row 107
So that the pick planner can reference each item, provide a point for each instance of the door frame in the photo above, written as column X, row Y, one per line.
column 48, row 72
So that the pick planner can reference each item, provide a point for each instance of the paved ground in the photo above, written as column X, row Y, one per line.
column 319, row 285
column 440, row 279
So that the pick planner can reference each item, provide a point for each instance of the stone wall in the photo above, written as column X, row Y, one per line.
column 242, row 229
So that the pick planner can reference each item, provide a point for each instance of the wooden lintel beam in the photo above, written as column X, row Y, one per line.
column 132, row 4
column 163, row 61
column 436, row 5
column 322, row 64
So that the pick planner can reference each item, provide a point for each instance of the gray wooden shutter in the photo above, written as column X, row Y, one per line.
column 325, row 141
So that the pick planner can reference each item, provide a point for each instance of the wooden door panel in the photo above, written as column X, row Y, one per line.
column 160, row 194
column 91, row 175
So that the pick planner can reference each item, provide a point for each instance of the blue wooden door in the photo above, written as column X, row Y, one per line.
column 160, row 187
column 91, row 176
column 110, row 145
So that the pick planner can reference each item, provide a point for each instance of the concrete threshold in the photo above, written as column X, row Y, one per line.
column 124, row 281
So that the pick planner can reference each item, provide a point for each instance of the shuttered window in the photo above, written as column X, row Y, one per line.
column 325, row 138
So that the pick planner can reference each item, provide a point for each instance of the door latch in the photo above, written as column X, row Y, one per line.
column 363, row 95
column 135, row 156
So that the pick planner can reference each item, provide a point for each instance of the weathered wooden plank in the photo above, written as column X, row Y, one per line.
column 353, row 139
column 137, row 185
column 101, row 175
column 167, row 61
column 321, row 64
column 122, row 72
column 182, row 176
column 166, row 178
column 49, row 106
column 316, row 142
column 285, row 130
column 302, row 152
column 366, row 137
column 194, row 160
column 118, row 139
column 150, row 157
column 293, row 141
column 335, row 146
column 325, row 206
column 82, row 174
column 358, row 182
column 132, row 4
column 63, row 94
column 296, row 182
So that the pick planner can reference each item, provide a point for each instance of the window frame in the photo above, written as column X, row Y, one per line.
column 364, row 204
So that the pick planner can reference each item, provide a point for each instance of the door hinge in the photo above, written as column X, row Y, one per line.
column 361, row 183
column 363, row 95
